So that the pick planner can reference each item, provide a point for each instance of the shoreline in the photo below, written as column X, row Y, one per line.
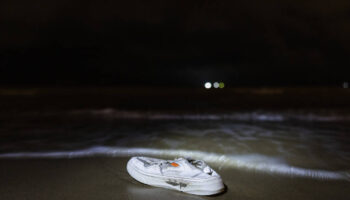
column 107, row 178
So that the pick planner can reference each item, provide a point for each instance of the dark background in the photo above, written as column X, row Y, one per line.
column 175, row 43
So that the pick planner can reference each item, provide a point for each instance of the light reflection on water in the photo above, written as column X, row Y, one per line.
column 313, row 148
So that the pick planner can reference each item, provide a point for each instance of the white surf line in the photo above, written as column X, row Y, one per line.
column 249, row 162
column 243, row 116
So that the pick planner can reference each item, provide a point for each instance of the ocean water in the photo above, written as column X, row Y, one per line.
column 300, row 143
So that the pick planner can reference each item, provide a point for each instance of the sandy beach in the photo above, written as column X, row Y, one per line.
column 272, row 138
column 107, row 178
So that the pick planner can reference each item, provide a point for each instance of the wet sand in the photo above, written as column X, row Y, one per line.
column 107, row 178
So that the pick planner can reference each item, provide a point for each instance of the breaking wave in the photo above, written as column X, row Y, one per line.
column 254, row 162
column 322, row 116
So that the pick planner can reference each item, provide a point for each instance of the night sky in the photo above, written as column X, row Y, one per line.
column 174, row 43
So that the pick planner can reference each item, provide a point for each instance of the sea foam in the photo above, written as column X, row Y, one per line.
column 252, row 162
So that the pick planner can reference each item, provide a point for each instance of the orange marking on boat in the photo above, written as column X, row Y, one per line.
column 174, row 164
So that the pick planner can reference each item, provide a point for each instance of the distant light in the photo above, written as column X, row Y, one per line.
column 221, row 85
column 346, row 85
column 216, row 85
column 207, row 85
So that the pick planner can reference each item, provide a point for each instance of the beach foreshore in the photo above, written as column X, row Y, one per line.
column 107, row 178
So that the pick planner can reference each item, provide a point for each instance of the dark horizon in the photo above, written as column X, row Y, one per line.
column 184, row 44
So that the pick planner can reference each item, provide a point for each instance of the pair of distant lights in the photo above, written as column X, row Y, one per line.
column 208, row 85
